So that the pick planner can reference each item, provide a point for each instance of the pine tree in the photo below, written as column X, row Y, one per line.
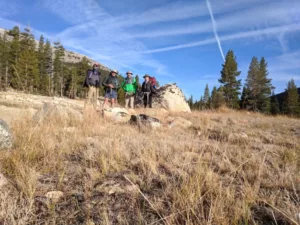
column 252, row 84
column 214, row 96
column 137, row 78
column 292, row 99
column 220, row 98
column 26, row 69
column 191, row 102
column 244, row 103
column 14, row 53
column 58, row 81
column 4, row 57
column 274, row 105
column 27, row 72
column 230, row 84
column 259, row 86
column 42, row 69
column 48, row 66
column 83, row 66
column 264, row 104
column 206, row 97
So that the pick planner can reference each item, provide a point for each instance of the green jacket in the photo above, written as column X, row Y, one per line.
column 129, row 85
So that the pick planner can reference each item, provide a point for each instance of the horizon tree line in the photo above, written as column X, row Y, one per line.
column 257, row 93
column 40, row 68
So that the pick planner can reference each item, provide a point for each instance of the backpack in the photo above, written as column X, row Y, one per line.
column 153, row 81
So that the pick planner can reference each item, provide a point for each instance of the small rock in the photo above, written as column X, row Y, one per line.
column 116, row 114
column 179, row 122
column 3, row 180
column 54, row 196
column 6, row 139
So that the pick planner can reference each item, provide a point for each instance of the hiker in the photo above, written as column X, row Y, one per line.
column 129, row 85
column 148, row 91
column 111, row 85
column 92, row 81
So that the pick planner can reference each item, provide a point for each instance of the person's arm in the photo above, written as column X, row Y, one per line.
column 104, row 83
column 152, row 89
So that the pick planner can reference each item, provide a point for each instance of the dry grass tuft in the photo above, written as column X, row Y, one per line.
column 229, row 168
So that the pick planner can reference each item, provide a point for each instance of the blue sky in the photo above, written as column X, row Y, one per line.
column 176, row 41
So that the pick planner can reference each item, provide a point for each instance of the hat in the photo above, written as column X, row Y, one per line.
column 114, row 71
column 129, row 72
column 146, row 75
column 95, row 64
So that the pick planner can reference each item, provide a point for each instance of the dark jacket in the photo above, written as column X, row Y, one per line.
column 111, row 80
column 147, row 87
column 93, row 77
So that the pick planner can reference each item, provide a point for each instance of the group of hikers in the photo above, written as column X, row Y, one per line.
column 111, row 86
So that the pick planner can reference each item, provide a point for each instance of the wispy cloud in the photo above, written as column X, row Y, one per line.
column 214, row 24
column 264, row 15
column 100, row 37
column 262, row 32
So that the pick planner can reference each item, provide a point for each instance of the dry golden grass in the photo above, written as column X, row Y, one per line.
column 229, row 168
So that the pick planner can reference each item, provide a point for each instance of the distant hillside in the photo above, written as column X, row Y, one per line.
column 71, row 57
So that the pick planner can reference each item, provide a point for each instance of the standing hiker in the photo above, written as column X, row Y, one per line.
column 129, row 85
column 111, row 85
column 92, row 81
column 148, row 91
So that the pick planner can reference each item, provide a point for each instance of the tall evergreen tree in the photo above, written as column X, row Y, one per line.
column 259, row 86
column 252, row 84
column 231, row 85
column 292, row 99
column 244, row 103
column 58, row 81
column 206, row 97
column 264, row 104
column 27, row 72
column 14, row 53
column 26, row 69
column 274, row 105
column 4, row 58
column 41, row 64
column 214, row 97
column 48, row 66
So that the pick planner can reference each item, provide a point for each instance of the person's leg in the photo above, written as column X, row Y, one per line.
column 106, row 98
column 132, row 101
column 150, row 100
column 90, row 94
column 145, row 100
column 94, row 96
column 127, row 99
column 113, row 102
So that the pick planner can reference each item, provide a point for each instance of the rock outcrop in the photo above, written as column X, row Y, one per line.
column 6, row 138
column 171, row 97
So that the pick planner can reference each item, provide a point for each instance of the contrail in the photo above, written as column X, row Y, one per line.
column 215, row 28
